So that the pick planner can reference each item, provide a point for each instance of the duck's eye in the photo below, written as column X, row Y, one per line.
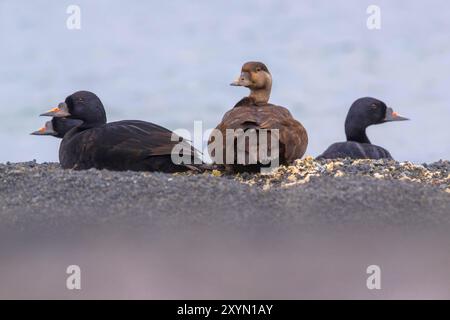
column 258, row 69
column 373, row 106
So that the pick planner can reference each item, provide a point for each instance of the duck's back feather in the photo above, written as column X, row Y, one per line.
column 293, row 138
column 123, row 145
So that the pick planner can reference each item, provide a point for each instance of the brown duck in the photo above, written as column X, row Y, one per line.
column 254, row 113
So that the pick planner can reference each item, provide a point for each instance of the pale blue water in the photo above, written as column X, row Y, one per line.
column 170, row 62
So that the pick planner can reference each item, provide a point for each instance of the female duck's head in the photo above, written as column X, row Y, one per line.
column 256, row 77
column 82, row 105
column 365, row 112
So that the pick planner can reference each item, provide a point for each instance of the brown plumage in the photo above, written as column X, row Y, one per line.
column 255, row 113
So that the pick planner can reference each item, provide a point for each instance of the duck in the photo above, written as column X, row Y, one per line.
column 132, row 145
column 363, row 113
column 57, row 127
column 254, row 112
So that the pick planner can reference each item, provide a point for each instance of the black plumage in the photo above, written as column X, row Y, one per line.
column 57, row 127
column 123, row 145
column 363, row 113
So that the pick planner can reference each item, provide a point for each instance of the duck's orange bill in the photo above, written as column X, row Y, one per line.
column 56, row 109
column 59, row 111
column 395, row 114
column 41, row 131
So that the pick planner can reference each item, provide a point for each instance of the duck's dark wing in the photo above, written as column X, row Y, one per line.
column 145, row 137
column 293, row 138
column 355, row 150
column 127, row 145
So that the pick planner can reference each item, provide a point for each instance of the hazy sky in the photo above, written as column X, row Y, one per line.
column 171, row 62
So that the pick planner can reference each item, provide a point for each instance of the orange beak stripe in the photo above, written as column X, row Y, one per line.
column 54, row 110
column 394, row 114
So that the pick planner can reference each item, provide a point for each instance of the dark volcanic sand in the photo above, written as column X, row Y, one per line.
column 43, row 195
column 307, row 231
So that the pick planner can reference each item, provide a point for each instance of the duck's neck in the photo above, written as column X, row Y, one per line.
column 262, row 95
column 357, row 134
column 86, row 126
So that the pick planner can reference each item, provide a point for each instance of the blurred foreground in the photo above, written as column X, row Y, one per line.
column 305, row 232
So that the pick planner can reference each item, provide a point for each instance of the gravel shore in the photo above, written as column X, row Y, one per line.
column 308, row 193
column 336, row 219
